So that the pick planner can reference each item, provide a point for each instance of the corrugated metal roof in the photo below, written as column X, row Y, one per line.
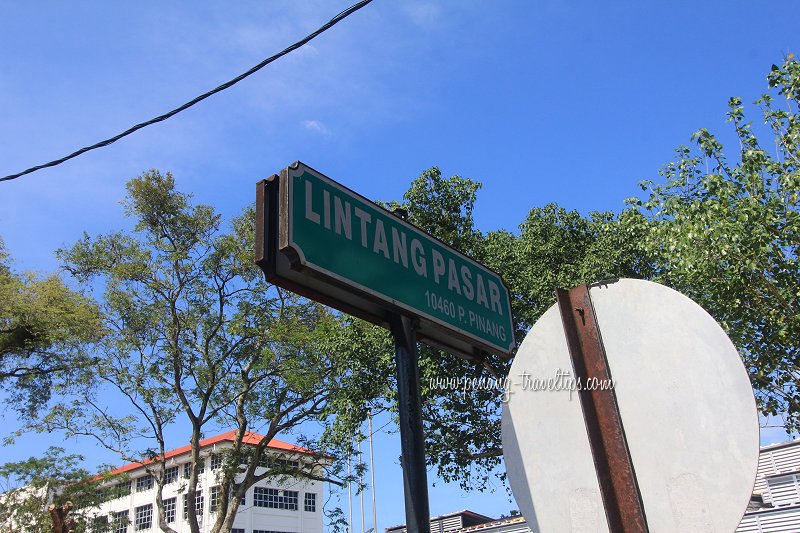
column 449, row 515
column 779, row 445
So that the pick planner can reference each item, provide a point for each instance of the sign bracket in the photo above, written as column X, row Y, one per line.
column 612, row 459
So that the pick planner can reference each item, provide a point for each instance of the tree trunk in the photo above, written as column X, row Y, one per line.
column 58, row 514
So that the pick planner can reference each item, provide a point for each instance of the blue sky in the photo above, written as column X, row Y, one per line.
column 548, row 101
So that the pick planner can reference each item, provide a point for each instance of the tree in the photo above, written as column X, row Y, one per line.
column 44, row 329
column 726, row 233
column 554, row 248
column 557, row 248
column 53, row 480
column 194, row 333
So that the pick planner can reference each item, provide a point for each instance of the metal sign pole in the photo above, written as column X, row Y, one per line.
column 412, row 439
column 612, row 459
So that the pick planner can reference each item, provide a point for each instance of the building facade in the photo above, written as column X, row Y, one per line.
column 449, row 523
column 775, row 505
column 291, row 505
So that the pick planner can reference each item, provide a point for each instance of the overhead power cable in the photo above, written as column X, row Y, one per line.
column 338, row 18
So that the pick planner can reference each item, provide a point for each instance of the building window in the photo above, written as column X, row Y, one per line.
column 310, row 502
column 263, row 497
column 275, row 499
column 269, row 531
column 270, row 461
column 198, row 505
column 143, row 517
column 144, row 483
column 187, row 468
column 237, row 530
column 120, row 490
column 119, row 522
column 170, row 505
column 216, row 461
column 783, row 490
column 171, row 475
column 213, row 500
column 100, row 524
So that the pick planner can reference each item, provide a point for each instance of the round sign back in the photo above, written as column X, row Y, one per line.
column 684, row 399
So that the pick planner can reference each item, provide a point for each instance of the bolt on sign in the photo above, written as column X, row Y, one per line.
column 324, row 241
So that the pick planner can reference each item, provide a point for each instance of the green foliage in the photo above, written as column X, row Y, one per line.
column 31, row 485
column 443, row 208
column 44, row 328
column 195, row 334
column 726, row 233
column 560, row 248
column 554, row 248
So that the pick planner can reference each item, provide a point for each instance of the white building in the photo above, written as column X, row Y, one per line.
column 775, row 506
column 269, row 506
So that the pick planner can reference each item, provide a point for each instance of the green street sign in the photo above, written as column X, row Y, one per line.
column 322, row 240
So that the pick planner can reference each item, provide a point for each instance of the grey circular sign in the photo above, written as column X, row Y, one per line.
column 686, row 405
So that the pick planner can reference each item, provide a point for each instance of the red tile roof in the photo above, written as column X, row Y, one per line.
column 230, row 436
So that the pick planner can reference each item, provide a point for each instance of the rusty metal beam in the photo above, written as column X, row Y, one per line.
column 615, row 473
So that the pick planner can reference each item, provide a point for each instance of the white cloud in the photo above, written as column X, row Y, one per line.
column 316, row 126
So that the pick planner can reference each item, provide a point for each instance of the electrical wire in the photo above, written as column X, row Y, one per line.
column 338, row 18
